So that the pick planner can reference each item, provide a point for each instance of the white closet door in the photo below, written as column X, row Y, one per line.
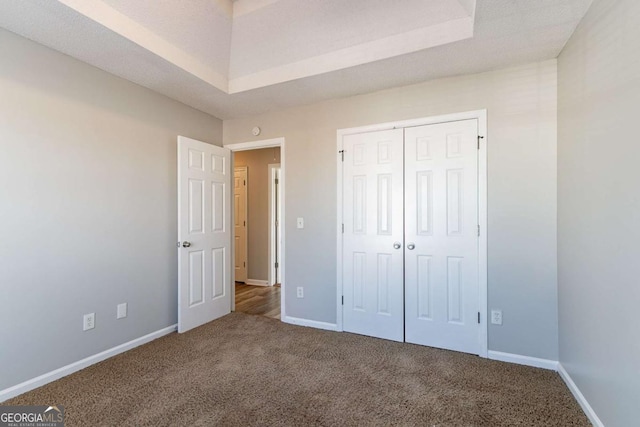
column 441, row 235
column 373, row 230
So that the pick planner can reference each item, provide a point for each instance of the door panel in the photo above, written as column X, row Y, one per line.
column 441, row 220
column 204, row 231
column 240, row 222
column 373, row 222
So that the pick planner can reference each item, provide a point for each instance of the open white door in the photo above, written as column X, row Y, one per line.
column 204, row 233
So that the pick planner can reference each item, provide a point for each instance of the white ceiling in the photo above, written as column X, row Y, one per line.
column 243, row 57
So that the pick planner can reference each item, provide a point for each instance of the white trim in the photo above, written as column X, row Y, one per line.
column 523, row 360
column 273, row 173
column 481, row 117
column 256, row 282
column 339, row 234
column 586, row 407
column 483, row 257
column 43, row 379
column 267, row 143
column 455, row 117
column 310, row 323
column 256, row 145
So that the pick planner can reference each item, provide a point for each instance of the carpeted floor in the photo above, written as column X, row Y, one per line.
column 246, row 370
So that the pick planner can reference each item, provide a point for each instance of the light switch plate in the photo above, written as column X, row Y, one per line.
column 121, row 311
column 300, row 223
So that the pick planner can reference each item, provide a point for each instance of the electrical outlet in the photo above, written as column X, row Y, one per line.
column 89, row 321
column 121, row 311
column 496, row 317
column 300, row 292
column 300, row 223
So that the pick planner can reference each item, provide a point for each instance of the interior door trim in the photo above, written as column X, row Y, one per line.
column 483, row 140
column 254, row 145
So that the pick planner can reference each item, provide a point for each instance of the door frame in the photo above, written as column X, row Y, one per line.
column 256, row 145
column 275, row 204
column 246, row 228
column 481, row 116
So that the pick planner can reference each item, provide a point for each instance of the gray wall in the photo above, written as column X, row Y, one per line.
column 599, row 209
column 87, row 207
column 522, row 109
column 257, row 162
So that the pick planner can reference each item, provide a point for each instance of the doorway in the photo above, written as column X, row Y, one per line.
column 412, row 241
column 260, row 267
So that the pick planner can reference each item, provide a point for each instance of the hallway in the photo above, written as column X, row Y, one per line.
column 258, row 300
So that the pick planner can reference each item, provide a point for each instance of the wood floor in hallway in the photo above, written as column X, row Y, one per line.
column 258, row 300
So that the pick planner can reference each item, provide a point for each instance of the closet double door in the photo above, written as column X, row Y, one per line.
column 410, row 241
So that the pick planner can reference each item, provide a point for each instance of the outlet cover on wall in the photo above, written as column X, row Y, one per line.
column 496, row 317
column 300, row 292
column 121, row 312
column 88, row 321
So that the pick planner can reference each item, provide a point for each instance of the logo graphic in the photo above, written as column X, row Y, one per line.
column 32, row 416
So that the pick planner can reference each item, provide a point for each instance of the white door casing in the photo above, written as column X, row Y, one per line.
column 268, row 143
column 373, row 234
column 240, row 177
column 204, row 233
column 275, row 212
column 441, row 236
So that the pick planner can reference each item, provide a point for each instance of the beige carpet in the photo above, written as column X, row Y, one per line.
column 248, row 370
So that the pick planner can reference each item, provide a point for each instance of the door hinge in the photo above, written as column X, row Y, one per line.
column 245, row 183
column 478, row 229
column 244, row 264
column 342, row 228
column 276, row 265
column 341, row 154
column 244, row 223
column 277, row 181
column 479, row 138
column 478, row 317
column 342, row 299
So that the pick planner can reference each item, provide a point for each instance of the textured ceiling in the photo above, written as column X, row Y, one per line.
column 323, row 26
column 179, row 49
column 201, row 28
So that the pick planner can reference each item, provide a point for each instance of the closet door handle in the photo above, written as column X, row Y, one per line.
column 411, row 246
column 397, row 245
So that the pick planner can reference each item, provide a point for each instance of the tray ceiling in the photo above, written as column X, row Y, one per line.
column 237, row 58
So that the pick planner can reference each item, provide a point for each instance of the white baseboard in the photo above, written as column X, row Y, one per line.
column 34, row 383
column 255, row 282
column 310, row 323
column 588, row 410
column 523, row 360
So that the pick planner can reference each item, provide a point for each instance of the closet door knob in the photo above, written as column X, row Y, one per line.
column 411, row 246
column 186, row 244
column 397, row 245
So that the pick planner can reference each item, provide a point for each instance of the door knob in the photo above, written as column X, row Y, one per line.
column 397, row 245
column 186, row 244
column 411, row 246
